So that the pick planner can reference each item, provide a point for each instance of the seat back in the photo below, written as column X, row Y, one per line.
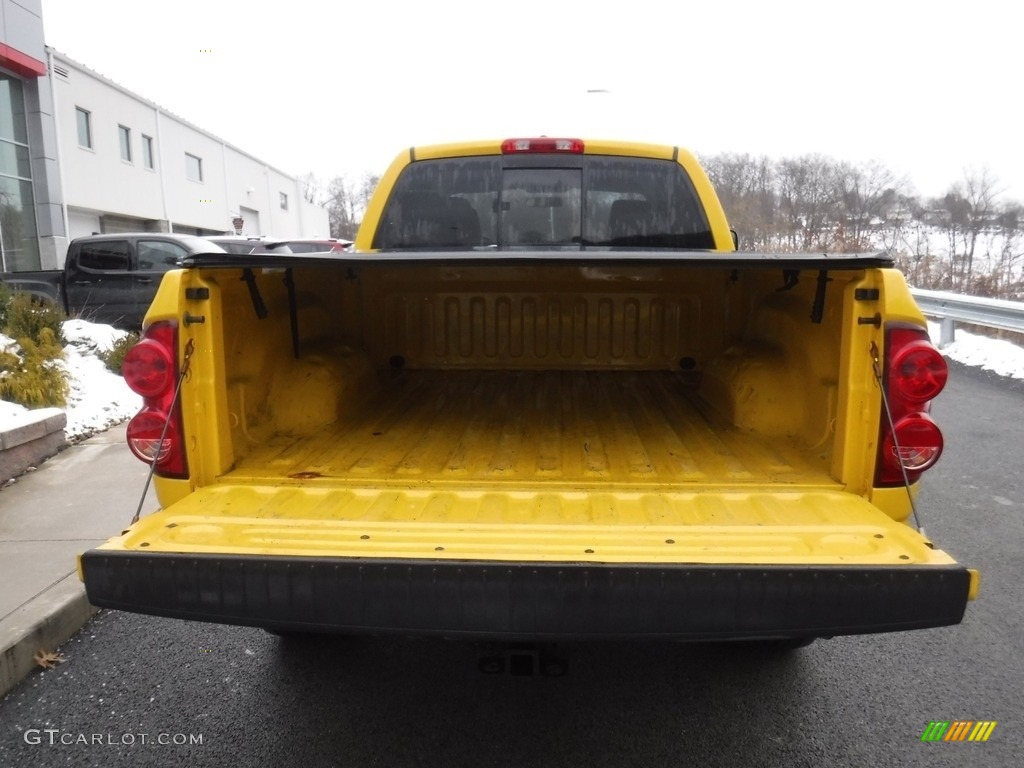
column 427, row 220
column 630, row 218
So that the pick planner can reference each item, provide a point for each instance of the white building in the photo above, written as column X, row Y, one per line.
column 129, row 165
column 80, row 154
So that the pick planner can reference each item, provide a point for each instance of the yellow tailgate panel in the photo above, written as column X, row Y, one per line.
column 751, row 527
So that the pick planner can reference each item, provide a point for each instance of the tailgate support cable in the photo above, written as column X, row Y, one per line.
column 876, row 366
column 189, row 349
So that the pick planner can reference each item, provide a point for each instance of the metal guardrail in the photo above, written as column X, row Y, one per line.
column 953, row 307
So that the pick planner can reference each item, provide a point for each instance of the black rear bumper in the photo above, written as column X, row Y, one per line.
column 528, row 600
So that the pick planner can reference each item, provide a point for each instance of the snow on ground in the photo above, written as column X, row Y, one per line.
column 11, row 415
column 99, row 399
column 1001, row 357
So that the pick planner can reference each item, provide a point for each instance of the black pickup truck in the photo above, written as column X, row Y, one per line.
column 110, row 278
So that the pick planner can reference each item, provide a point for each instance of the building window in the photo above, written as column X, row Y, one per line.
column 147, row 152
column 84, row 127
column 193, row 167
column 124, row 135
column 284, row 201
column 19, row 246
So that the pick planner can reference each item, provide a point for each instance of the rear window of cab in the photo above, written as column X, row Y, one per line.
column 543, row 201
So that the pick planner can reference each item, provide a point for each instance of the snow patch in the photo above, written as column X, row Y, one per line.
column 98, row 399
column 1002, row 357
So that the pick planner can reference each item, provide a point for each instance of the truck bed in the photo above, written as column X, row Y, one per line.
column 533, row 428
column 498, row 465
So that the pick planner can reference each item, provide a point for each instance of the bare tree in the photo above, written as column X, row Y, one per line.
column 906, row 238
column 980, row 193
column 366, row 188
column 1007, row 272
column 872, row 200
column 346, row 202
column 312, row 188
column 746, row 189
column 808, row 196
column 341, row 208
column 948, row 214
column 966, row 240
column 966, row 210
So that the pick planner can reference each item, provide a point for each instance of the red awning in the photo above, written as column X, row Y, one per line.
column 21, row 63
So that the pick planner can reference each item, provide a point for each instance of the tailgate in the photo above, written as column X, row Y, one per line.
column 810, row 527
column 531, row 564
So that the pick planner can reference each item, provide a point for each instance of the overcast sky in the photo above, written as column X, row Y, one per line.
column 930, row 89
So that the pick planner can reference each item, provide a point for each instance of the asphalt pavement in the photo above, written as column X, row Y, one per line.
column 73, row 501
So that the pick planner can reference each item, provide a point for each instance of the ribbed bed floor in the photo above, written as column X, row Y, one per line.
column 535, row 428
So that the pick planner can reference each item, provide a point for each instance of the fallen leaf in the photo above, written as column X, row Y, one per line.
column 48, row 659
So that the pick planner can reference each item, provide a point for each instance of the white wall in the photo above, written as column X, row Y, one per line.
column 192, row 203
column 98, row 180
column 82, row 223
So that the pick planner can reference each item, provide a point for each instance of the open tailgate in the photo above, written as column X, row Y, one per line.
column 688, row 564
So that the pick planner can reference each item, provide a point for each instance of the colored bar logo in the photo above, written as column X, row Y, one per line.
column 958, row 730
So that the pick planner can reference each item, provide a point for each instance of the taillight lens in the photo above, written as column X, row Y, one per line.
column 148, row 368
column 541, row 144
column 155, row 433
column 918, row 371
column 914, row 373
column 148, row 439
column 916, row 442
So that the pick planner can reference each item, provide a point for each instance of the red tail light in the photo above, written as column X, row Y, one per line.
column 542, row 144
column 148, row 368
column 916, row 442
column 918, row 371
column 151, row 370
column 149, row 440
column 914, row 373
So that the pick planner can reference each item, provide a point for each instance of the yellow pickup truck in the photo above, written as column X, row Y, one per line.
column 544, row 397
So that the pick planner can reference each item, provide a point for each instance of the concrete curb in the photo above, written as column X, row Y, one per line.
column 35, row 437
column 44, row 622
